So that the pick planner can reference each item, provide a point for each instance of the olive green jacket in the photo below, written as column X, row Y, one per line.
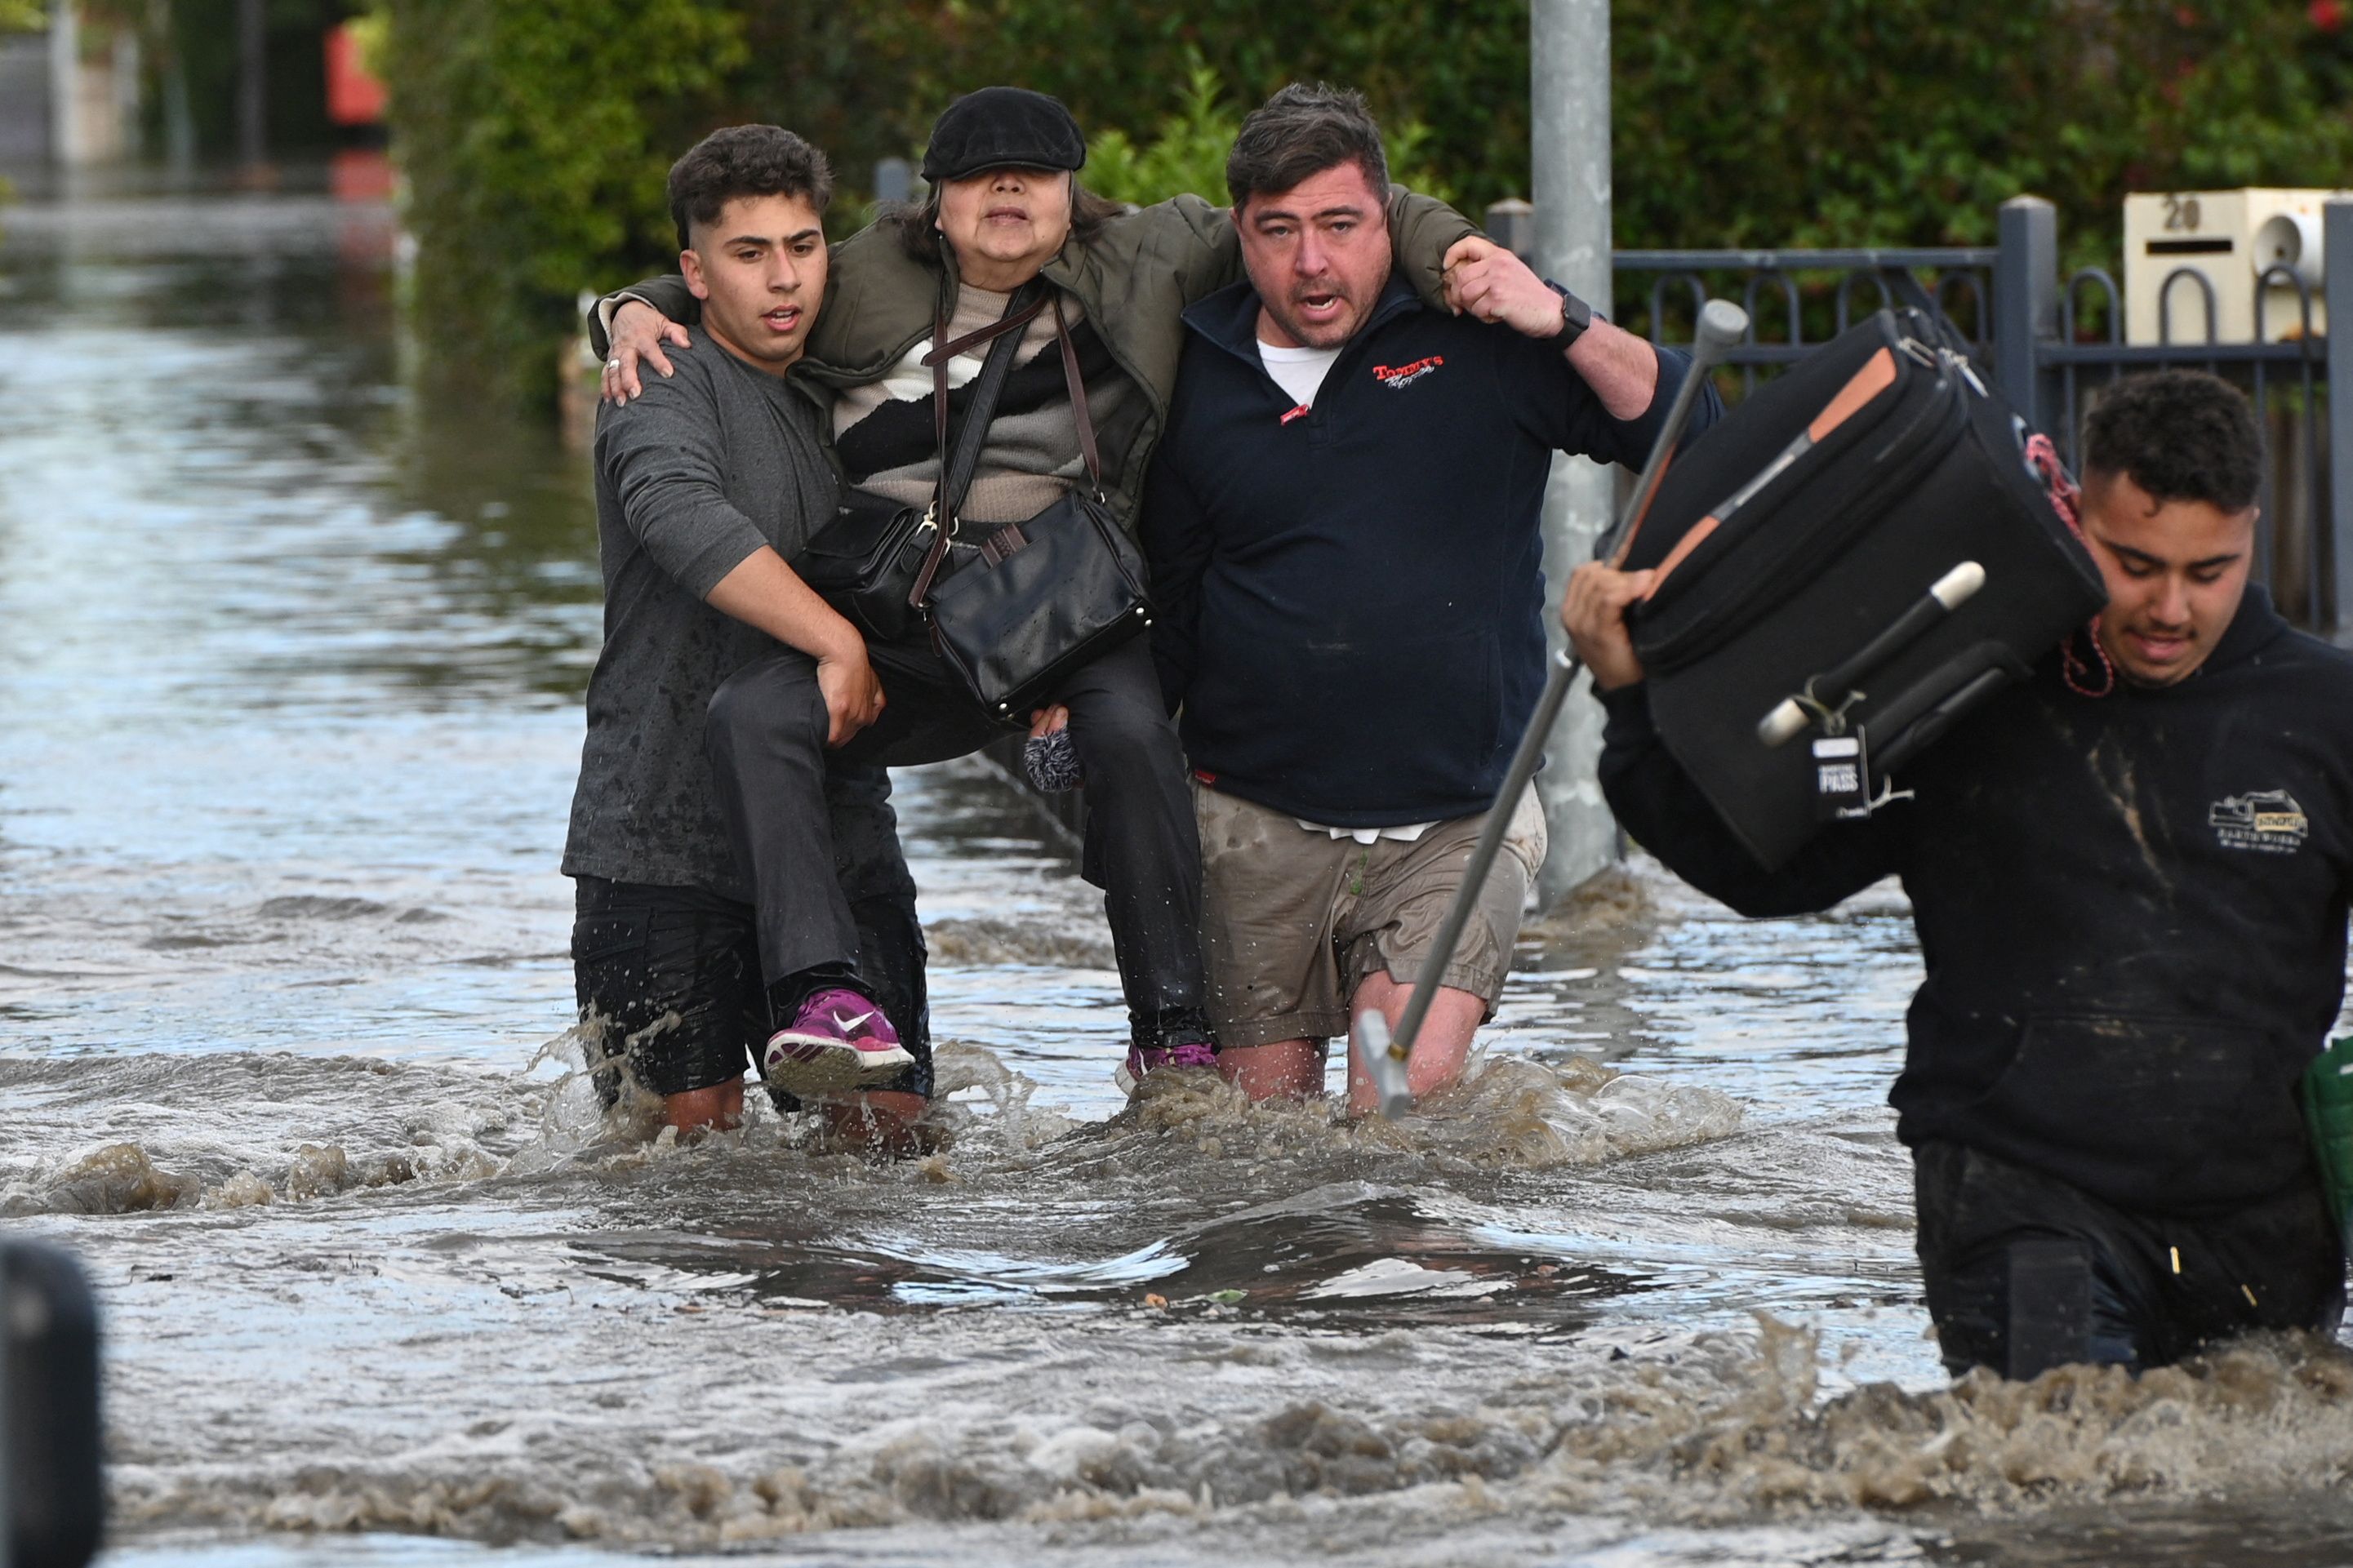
column 1134, row 278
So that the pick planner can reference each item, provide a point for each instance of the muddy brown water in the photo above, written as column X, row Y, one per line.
column 290, row 660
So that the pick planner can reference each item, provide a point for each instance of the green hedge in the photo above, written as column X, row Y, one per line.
column 535, row 137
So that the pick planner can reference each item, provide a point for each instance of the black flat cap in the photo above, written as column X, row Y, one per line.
column 1002, row 128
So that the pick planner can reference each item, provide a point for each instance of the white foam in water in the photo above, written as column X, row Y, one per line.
column 1709, row 1429
column 1398, row 1277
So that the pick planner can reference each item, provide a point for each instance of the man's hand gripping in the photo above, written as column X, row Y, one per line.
column 1594, row 613
column 853, row 691
column 1489, row 283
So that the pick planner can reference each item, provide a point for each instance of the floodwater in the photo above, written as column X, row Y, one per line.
column 290, row 664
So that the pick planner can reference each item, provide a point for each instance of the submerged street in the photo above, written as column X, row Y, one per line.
column 291, row 660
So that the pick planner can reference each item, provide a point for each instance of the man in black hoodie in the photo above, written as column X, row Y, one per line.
column 2129, row 875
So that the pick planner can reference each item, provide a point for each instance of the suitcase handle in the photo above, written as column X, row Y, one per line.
column 1828, row 696
column 1924, row 732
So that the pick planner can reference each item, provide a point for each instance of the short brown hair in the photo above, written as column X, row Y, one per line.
column 744, row 160
column 1302, row 131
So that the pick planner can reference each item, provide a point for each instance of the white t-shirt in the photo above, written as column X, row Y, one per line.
column 1299, row 372
column 1407, row 833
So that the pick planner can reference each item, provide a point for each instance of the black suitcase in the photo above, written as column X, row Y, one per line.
column 1794, row 653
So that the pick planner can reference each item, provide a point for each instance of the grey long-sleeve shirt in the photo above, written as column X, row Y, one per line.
column 691, row 478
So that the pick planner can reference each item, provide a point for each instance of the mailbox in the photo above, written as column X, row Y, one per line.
column 2196, row 264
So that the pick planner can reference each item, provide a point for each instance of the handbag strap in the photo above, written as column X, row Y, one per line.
column 1078, row 399
column 1017, row 314
column 956, row 473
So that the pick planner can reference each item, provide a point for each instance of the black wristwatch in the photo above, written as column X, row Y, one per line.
column 1576, row 315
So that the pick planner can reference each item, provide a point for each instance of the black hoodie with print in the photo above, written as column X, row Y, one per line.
column 2132, row 911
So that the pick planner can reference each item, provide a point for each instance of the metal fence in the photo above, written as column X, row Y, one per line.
column 2053, row 345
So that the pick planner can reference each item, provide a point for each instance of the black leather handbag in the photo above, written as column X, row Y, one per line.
column 1042, row 597
column 865, row 562
column 865, row 559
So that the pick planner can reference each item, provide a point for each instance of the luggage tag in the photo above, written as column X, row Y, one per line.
column 1841, row 777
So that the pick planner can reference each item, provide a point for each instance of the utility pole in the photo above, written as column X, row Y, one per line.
column 179, row 115
column 252, row 87
column 1568, row 58
column 65, row 85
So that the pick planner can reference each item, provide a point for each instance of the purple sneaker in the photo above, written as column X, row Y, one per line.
column 839, row 1040
column 1194, row 1053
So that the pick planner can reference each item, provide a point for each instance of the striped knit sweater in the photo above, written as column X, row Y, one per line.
column 883, row 429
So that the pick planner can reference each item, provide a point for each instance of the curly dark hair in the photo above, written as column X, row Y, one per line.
column 1304, row 130
column 744, row 160
column 2180, row 435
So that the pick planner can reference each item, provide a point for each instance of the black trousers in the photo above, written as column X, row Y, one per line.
column 766, row 735
column 2025, row 1272
column 668, row 984
column 643, row 952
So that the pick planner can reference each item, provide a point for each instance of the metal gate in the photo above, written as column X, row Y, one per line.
column 2053, row 345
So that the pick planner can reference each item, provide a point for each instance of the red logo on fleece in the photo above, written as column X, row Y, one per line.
column 1397, row 377
column 1298, row 412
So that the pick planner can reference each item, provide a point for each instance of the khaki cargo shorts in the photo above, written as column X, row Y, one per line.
column 1294, row 919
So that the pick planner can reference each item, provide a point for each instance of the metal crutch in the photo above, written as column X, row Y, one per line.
column 1722, row 325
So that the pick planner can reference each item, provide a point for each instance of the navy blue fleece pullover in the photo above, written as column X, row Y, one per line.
column 1352, row 597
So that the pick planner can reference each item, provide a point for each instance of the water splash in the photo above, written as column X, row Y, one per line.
column 1711, row 1429
column 1507, row 1114
column 1714, row 1437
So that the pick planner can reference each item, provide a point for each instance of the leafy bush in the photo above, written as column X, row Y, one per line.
column 1449, row 76
column 535, row 140
column 1188, row 150
column 535, row 137
column 1909, row 122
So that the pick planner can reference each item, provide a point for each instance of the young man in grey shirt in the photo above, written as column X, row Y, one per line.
column 706, row 488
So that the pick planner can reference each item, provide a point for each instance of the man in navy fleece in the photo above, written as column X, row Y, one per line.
column 1343, row 525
